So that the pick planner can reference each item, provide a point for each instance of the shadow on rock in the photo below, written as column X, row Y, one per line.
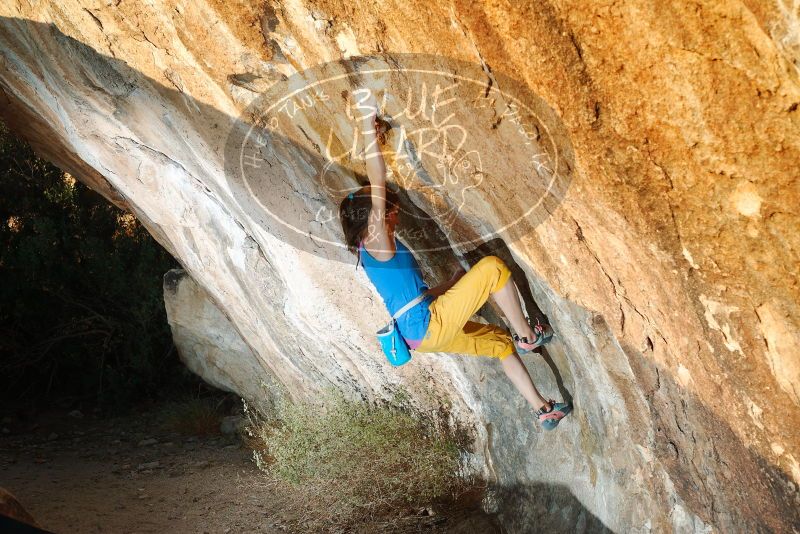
column 542, row 507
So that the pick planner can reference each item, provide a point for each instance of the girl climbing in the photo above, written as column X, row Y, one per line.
column 440, row 322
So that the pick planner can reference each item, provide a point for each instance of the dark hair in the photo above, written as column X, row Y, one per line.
column 354, row 214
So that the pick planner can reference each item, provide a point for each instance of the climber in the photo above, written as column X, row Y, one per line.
column 440, row 322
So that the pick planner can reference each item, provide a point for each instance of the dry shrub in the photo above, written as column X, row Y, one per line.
column 344, row 463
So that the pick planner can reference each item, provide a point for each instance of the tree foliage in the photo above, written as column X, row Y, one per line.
column 81, row 303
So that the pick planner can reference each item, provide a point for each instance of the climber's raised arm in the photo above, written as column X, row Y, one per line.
column 377, row 240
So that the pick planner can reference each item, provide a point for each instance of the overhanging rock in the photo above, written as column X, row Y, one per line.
column 664, row 255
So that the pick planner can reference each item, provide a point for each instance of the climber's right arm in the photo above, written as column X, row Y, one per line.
column 377, row 239
column 376, row 167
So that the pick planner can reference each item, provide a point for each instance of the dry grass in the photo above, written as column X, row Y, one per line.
column 345, row 463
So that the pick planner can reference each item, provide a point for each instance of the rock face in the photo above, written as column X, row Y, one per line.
column 635, row 163
column 209, row 345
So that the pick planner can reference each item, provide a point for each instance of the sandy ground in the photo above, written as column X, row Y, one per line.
column 86, row 475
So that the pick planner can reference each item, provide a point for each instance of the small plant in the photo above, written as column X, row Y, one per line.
column 347, row 461
column 194, row 417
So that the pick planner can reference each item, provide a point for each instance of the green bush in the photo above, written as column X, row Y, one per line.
column 81, row 303
column 346, row 461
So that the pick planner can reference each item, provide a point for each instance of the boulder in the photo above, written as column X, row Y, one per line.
column 634, row 163
column 211, row 347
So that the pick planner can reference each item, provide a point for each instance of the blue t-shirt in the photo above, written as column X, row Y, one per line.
column 398, row 281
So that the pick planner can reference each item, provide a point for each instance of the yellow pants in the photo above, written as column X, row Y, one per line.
column 450, row 329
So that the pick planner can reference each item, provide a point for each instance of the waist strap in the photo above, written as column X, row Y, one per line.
column 419, row 298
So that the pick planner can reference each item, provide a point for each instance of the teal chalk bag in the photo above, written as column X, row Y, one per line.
column 394, row 346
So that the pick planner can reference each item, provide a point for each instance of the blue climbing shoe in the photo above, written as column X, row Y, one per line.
column 550, row 419
column 544, row 333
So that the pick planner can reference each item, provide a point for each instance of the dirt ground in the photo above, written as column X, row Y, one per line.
column 130, row 475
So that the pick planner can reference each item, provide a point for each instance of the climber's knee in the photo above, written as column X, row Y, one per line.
column 507, row 351
column 499, row 270
column 480, row 339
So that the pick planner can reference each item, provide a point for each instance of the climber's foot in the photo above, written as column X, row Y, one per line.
column 550, row 418
column 542, row 332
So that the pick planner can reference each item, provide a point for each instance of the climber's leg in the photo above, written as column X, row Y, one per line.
column 516, row 372
column 484, row 340
column 450, row 312
column 507, row 298
column 490, row 276
column 476, row 339
column 450, row 330
column 471, row 291
column 490, row 340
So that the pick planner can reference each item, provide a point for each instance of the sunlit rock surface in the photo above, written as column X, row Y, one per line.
column 666, row 256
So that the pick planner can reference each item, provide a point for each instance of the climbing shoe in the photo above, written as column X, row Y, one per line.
column 543, row 334
column 550, row 419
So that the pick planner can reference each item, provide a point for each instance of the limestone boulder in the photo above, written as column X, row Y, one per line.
column 210, row 346
column 635, row 163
